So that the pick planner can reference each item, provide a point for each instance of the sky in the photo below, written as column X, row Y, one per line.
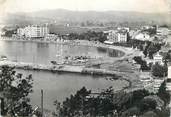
column 85, row 5
column 146, row 6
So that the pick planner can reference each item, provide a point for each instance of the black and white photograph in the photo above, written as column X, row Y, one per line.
column 85, row 58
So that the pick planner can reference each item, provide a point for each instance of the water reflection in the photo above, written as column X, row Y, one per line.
column 43, row 53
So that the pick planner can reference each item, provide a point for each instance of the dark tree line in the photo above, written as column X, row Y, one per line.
column 107, row 103
column 89, row 35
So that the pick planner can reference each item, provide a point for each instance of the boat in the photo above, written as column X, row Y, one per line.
column 3, row 58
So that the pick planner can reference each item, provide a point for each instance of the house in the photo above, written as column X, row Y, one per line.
column 142, row 36
column 52, row 37
column 158, row 59
column 145, row 76
column 157, row 83
column 146, row 79
column 158, row 39
column 123, row 28
column 162, row 31
column 168, row 83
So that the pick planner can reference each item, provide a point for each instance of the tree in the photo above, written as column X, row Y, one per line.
column 15, row 90
column 143, row 63
column 147, row 104
column 159, row 70
column 139, row 94
column 163, row 93
column 167, row 58
column 83, row 104
column 74, row 105
column 145, row 52
column 152, row 49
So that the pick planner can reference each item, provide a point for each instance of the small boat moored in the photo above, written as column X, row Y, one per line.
column 3, row 58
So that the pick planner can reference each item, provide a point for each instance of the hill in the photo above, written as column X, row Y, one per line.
column 60, row 16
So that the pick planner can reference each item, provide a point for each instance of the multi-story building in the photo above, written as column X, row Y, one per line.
column 122, row 35
column 117, row 36
column 33, row 31
column 112, row 36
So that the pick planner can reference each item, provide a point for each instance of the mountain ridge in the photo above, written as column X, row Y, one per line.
column 63, row 15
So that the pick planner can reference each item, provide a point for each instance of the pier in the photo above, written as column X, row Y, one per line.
column 58, row 68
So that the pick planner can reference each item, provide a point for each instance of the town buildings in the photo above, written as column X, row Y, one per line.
column 33, row 31
column 117, row 36
column 163, row 31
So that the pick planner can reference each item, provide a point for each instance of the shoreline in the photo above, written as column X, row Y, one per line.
column 76, row 43
column 70, row 69
column 82, row 69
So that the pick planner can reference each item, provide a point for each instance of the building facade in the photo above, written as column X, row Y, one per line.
column 20, row 31
column 117, row 36
column 168, row 83
column 33, row 31
column 122, row 35
column 112, row 36
column 158, row 59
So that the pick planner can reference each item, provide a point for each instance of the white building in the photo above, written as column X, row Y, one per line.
column 123, row 28
column 112, row 36
column 142, row 37
column 52, row 37
column 116, row 36
column 20, row 31
column 158, row 59
column 122, row 35
column 33, row 31
column 168, row 84
column 162, row 31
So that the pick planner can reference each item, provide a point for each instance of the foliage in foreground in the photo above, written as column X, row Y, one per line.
column 14, row 90
column 108, row 103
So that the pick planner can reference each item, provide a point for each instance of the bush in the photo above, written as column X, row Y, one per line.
column 147, row 104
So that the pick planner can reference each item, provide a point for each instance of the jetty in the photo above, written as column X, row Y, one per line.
column 57, row 68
